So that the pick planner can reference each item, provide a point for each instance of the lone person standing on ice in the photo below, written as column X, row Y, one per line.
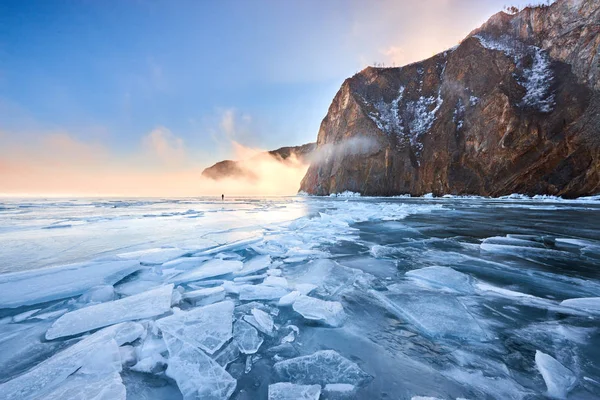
column 222, row 197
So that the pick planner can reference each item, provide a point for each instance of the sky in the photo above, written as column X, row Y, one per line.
column 136, row 97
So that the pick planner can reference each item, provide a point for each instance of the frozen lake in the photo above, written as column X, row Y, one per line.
column 300, row 298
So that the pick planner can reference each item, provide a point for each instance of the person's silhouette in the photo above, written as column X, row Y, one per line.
column 222, row 197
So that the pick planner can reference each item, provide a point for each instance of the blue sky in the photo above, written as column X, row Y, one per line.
column 262, row 73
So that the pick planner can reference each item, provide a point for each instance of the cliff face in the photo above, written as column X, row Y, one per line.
column 514, row 108
column 243, row 170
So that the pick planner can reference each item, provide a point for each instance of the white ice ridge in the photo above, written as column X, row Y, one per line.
column 322, row 367
column 197, row 375
column 209, row 269
column 289, row 391
column 559, row 379
column 144, row 305
column 587, row 304
column 207, row 328
column 327, row 312
column 38, row 286
column 50, row 374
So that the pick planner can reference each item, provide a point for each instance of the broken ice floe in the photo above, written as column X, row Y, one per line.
column 442, row 278
column 585, row 304
column 289, row 391
column 246, row 337
column 435, row 315
column 67, row 281
column 209, row 269
column 322, row 367
column 559, row 379
column 206, row 328
column 197, row 375
column 144, row 305
column 327, row 312
column 50, row 374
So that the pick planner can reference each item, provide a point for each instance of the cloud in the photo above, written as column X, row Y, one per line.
column 59, row 163
column 162, row 144
column 394, row 56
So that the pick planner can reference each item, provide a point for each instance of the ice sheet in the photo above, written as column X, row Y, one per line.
column 50, row 374
column 330, row 313
column 587, row 304
column 37, row 286
column 90, row 387
column 264, row 320
column 206, row 328
column 209, row 269
column 435, row 315
column 197, row 375
column 144, row 305
column 322, row 367
column 443, row 278
column 254, row 265
column 559, row 379
column 289, row 391
column 261, row 292
column 246, row 337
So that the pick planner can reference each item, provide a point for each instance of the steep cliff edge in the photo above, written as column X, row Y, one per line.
column 243, row 169
column 514, row 108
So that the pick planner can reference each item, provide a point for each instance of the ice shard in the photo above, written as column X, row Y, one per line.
column 206, row 328
column 322, row 367
column 144, row 305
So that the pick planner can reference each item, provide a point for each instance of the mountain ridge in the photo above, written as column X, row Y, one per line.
column 236, row 169
column 513, row 108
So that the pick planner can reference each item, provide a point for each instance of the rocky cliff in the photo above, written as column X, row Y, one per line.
column 514, row 108
column 243, row 170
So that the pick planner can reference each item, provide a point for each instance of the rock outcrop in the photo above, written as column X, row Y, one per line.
column 243, row 170
column 515, row 108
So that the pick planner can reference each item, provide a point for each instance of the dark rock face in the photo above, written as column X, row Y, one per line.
column 243, row 170
column 515, row 108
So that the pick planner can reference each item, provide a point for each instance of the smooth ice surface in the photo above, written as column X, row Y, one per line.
column 322, row 367
column 435, row 315
column 209, row 269
column 559, row 379
column 246, row 337
column 37, row 286
column 587, row 304
column 145, row 305
column 207, row 328
column 289, row 391
column 197, row 375
column 90, row 387
column 48, row 375
column 443, row 278
column 327, row 312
